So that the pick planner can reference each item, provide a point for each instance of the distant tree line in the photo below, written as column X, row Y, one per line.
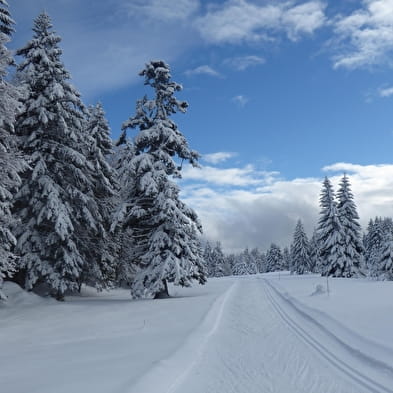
column 72, row 210
column 336, row 248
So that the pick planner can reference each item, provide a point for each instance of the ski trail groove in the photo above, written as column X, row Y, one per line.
column 254, row 350
column 357, row 376
column 166, row 374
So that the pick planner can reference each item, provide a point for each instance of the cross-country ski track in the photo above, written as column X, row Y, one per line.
column 254, row 339
column 250, row 334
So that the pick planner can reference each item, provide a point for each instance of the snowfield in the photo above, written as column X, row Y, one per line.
column 263, row 333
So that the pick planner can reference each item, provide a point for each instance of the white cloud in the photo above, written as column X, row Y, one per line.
column 240, row 100
column 241, row 63
column 203, row 70
column 246, row 176
column 266, row 208
column 162, row 10
column 237, row 21
column 385, row 92
column 365, row 38
column 215, row 158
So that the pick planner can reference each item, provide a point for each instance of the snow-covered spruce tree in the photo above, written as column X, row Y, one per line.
column 122, row 163
column 314, row 253
column 230, row 263
column 101, row 251
column 300, row 250
column 286, row 256
column 55, row 203
column 249, row 262
column 257, row 259
column 208, row 259
column 378, row 230
column 218, row 258
column 274, row 258
column 353, row 247
column 165, row 231
column 373, row 240
column 330, row 234
column 240, row 266
column 10, row 160
column 6, row 21
column 386, row 259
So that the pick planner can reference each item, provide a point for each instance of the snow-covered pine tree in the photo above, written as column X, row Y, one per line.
column 6, row 21
column 165, row 230
column 230, row 260
column 314, row 253
column 300, row 250
column 257, row 260
column 386, row 260
column 101, row 251
column 208, row 259
column 55, row 203
column 348, row 216
column 287, row 260
column 274, row 258
column 249, row 262
column 330, row 234
column 372, row 245
column 218, row 258
column 10, row 160
column 121, row 161
column 374, row 242
column 240, row 266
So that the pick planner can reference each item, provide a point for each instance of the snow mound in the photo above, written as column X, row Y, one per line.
column 319, row 290
column 17, row 296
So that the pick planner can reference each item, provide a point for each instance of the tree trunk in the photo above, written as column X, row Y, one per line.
column 59, row 296
column 19, row 278
column 164, row 293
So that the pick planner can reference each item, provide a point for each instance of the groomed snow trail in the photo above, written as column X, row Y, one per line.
column 258, row 348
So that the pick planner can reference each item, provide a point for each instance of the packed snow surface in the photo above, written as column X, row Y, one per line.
column 261, row 333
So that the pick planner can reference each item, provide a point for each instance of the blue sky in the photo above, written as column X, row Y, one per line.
column 281, row 93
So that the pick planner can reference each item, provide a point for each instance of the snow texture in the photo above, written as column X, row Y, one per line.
column 248, row 334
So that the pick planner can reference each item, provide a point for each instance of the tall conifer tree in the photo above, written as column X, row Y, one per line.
column 352, row 248
column 55, row 204
column 101, row 250
column 165, row 231
column 10, row 160
column 300, row 250
column 330, row 234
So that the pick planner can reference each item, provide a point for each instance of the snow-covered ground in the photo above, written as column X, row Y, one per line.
column 264, row 333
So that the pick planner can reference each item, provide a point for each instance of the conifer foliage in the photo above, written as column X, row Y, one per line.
column 274, row 258
column 6, row 21
column 55, row 203
column 165, row 231
column 330, row 234
column 101, row 249
column 352, row 244
column 300, row 250
column 10, row 161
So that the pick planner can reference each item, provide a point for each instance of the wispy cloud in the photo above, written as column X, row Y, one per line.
column 162, row 10
column 116, row 48
column 240, row 100
column 365, row 37
column 238, row 21
column 215, row 158
column 385, row 92
column 241, row 63
column 236, row 177
column 203, row 70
